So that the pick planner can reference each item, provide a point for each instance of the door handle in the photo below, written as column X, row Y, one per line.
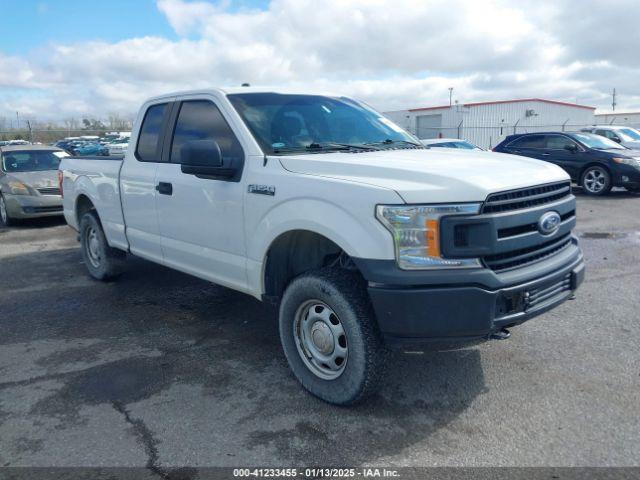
column 164, row 188
column 545, row 154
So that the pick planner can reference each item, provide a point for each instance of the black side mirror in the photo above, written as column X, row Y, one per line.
column 203, row 159
column 616, row 139
column 201, row 153
column 572, row 147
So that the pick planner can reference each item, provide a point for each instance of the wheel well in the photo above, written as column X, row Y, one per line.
column 295, row 252
column 594, row 164
column 83, row 205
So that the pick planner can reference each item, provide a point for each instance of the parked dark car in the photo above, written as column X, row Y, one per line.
column 594, row 162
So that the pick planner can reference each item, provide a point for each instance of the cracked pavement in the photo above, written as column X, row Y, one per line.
column 162, row 370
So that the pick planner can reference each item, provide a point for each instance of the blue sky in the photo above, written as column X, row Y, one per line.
column 31, row 24
column 28, row 24
column 70, row 59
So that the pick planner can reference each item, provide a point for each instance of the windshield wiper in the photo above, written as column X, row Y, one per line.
column 388, row 141
column 319, row 147
column 338, row 146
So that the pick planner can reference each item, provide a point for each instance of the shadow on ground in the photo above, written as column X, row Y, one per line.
column 158, row 337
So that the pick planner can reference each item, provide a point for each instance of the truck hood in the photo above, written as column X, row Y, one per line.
column 45, row 178
column 430, row 176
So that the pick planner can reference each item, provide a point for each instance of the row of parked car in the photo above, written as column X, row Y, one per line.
column 115, row 144
column 597, row 158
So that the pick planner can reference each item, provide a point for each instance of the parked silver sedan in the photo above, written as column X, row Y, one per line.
column 29, row 182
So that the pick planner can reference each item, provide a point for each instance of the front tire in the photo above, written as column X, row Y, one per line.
column 596, row 181
column 330, row 336
column 5, row 218
column 103, row 262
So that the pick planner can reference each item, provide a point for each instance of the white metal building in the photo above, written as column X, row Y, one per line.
column 631, row 119
column 487, row 123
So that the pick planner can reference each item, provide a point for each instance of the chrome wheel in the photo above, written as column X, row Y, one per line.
column 3, row 210
column 595, row 180
column 93, row 247
column 320, row 339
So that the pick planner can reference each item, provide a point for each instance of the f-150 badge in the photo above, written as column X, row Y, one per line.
column 262, row 189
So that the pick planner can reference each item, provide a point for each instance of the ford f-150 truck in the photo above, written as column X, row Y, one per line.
column 365, row 239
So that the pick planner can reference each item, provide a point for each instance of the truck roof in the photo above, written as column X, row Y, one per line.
column 232, row 90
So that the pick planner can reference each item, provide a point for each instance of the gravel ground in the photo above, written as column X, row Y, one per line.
column 160, row 369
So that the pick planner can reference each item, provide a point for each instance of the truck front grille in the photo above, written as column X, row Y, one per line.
column 526, row 197
column 527, row 256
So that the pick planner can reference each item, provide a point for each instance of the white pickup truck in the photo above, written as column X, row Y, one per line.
column 364, row 238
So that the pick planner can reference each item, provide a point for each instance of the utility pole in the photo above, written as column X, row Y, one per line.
column 613, row 100
column 17, row 121
column 30, row 131
column 450, row 96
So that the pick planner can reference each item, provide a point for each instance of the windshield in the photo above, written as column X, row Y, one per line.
column 293, row 123
column 460, row 145
column 629, row 132
column 21, row 161
column 597, row 142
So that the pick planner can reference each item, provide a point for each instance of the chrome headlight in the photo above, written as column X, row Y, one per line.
column 416, row 234
column 632, row 161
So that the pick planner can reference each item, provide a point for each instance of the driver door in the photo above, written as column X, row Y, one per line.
column 201, row 219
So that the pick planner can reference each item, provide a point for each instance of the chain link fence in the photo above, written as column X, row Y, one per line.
column 485, row 136
column 488, row 136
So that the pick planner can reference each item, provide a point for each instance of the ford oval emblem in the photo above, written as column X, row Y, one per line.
column 549, row 223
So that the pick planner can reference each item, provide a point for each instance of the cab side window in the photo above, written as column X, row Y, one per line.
column 202, row 120
column 149, row 142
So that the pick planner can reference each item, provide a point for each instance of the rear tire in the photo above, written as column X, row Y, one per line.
column 5, row 218
column 596, row 181
column 330, row 336
column 103, row 262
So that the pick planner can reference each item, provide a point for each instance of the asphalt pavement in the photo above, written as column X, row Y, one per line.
column 159, row 369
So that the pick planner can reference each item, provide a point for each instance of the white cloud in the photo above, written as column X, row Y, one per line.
column 391, row 53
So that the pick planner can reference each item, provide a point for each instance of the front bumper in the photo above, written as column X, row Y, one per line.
column 33, row 206
column 626, row 176
column 446, row 315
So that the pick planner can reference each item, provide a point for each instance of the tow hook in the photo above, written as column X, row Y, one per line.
column 501, row 334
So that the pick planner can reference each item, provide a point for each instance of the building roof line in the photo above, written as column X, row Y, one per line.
column 616, row 113
column 498, row 102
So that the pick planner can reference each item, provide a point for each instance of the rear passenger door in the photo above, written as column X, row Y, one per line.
column 138, row 182
column 527, row 145
column 201, row 219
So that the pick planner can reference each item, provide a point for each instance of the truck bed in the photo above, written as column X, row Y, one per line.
column 97, row 178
